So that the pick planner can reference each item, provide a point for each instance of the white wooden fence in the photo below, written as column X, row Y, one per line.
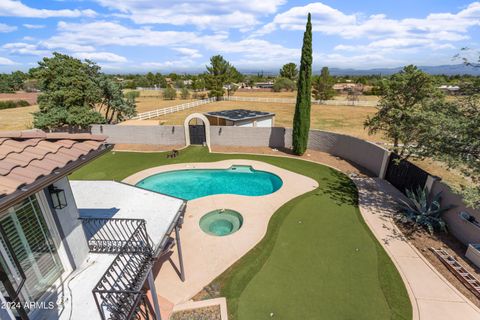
column 360, row 103
column 164, row 111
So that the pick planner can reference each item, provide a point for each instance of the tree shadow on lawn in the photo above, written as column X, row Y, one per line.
column 339, row 188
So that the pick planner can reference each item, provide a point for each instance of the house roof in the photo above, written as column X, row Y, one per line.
column 27, row 156
column 239, row 114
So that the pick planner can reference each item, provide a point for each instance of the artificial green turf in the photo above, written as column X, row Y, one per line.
column 318, row 259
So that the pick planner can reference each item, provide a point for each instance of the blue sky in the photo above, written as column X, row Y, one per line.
column 159, row 35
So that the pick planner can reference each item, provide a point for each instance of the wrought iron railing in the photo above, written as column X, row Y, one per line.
column 107, row 235
column 120, row 294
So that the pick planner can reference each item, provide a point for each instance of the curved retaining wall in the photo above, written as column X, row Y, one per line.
column 365, row 154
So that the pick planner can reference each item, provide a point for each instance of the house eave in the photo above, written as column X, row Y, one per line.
column 39, row 184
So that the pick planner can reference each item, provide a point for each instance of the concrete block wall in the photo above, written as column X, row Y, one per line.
column 163, row 135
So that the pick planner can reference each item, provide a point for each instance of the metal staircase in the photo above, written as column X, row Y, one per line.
column 121, row 292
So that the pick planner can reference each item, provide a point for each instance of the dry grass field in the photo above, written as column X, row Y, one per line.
column 17, row 118
column 293, row 94
column 343, row 119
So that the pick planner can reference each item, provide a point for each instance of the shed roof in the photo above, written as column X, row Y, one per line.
column 27, row 156
column 239, row 114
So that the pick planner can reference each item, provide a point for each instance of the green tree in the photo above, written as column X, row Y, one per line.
column 289, row 71
column 219, row 73
column 283, row 84
column 301, row 119
column 454, row 139
column 402, row 116
column 76, row 94
column 323, row 85
column 70, row 93
column 113, row 104
column 169, row 93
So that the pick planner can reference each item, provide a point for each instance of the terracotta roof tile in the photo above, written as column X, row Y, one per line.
column 26, row 156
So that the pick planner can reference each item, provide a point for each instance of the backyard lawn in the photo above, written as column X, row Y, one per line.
column 318, row 259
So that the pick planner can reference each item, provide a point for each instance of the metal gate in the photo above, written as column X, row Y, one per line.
column 197, row 134
column 404, row 175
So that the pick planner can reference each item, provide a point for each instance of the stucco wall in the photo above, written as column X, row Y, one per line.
column 251, row 136
column 71, row 227
column 461, row 229
column 365, row 154
column 163, row 135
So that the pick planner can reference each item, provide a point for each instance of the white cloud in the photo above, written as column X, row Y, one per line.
column 23, row 48
column 328, row 20
column 14, row 8
column 33, row 26
column 211, row 14
column 437, row 31
column 6, row 62
column 101, row 56
column 103, row 33
column 6, row 28
column 189, row 52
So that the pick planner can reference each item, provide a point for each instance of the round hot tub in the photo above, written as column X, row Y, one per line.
column 221, row 222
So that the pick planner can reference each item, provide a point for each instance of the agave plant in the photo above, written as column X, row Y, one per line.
column 424, row 212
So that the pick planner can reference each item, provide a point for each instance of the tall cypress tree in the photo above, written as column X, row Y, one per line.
column 301, row 119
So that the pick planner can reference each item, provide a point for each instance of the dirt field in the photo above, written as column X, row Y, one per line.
column 17, row 118
column 31, row 97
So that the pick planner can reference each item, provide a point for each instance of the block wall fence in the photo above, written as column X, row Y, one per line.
column 365, row 154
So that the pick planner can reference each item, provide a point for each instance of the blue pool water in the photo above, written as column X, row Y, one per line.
column 197, row 183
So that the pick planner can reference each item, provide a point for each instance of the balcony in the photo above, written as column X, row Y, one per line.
column 127, row 230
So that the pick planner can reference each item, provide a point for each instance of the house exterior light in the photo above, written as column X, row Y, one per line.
column 59, row 200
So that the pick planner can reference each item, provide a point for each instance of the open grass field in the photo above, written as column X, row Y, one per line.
column 17, row 118
column 317, row 260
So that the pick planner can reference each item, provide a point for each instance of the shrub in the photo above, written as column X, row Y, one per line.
column 169, row 93
column 9, row 104
column 184, row 93
column 132, row 95
column 422, row 212
column 283, row 84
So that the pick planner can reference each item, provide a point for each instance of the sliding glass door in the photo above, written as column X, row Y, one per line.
column 27, row 247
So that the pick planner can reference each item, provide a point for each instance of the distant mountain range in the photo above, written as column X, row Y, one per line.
column 454, row 69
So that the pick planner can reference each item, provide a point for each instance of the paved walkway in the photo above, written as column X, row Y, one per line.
column 432, row 296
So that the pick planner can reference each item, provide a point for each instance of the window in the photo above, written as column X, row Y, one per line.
column 32, row 244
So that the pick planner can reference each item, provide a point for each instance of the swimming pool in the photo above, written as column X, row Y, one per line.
column 196, row 183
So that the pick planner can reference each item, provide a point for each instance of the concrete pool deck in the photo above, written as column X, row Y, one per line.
column 206, row 256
